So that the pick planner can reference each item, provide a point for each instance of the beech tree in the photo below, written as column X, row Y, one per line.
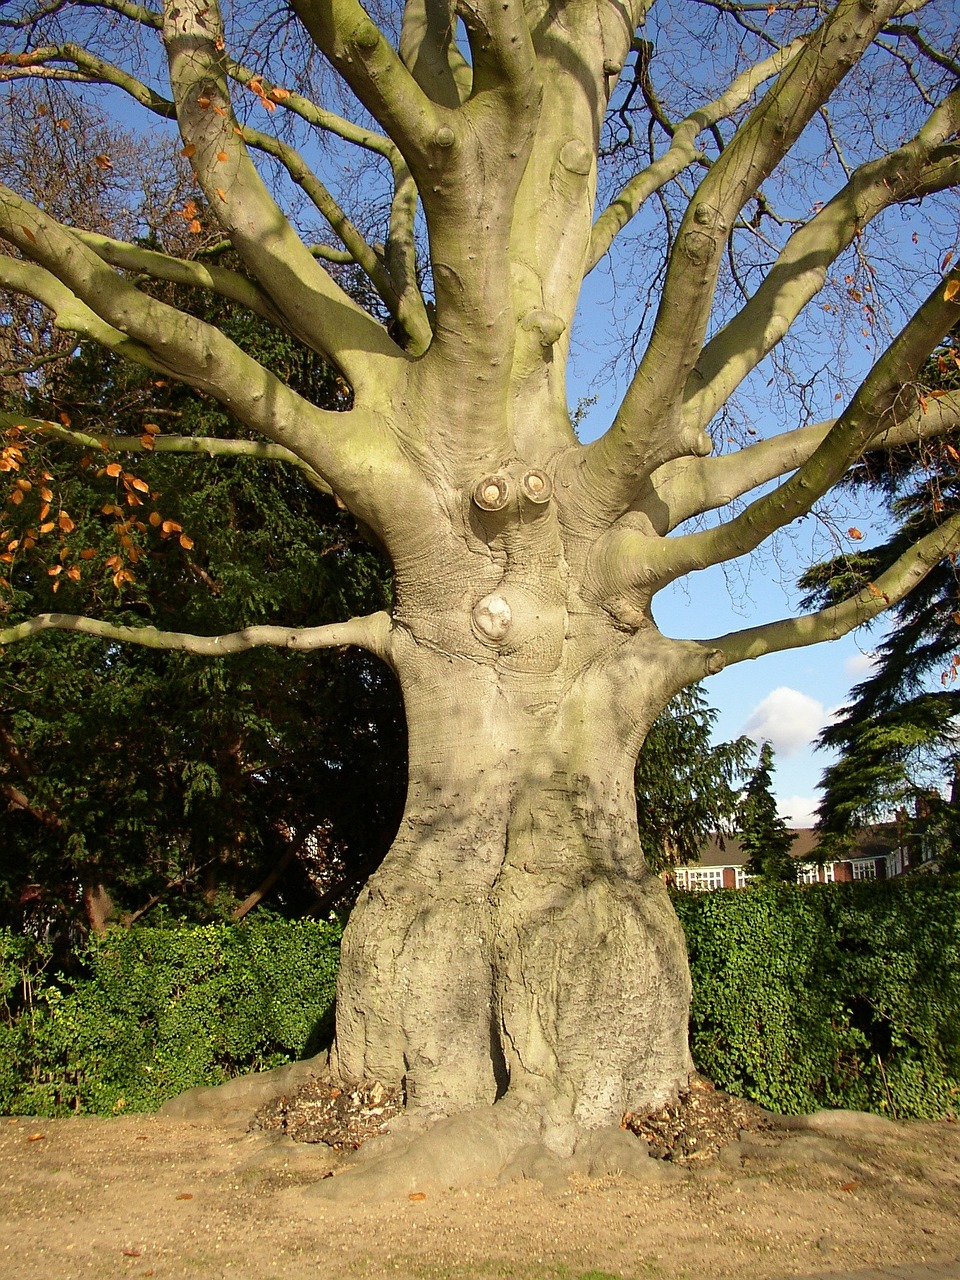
column 513, row 953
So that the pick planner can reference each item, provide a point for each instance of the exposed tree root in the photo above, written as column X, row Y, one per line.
column 375, row 1154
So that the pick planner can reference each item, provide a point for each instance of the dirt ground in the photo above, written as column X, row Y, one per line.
column 150, row 1196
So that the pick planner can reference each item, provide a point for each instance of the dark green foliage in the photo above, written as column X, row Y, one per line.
column 156, row 773
column 764, row 836
column 687, row 790
column 148, row 1013
column 829, row 996
column 897, row 738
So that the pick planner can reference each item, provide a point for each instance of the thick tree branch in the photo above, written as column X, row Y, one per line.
column 185, row 271
column 315, row 308
column 405, row 303
column 649, row 429
column 428, row 49
column 690, row 486
column 345, row 34
column 877, row 406
column 89, row 297
column 369, row 632
column 929, row 162
column 71, row 315
column 683, row 151
column 837, row 620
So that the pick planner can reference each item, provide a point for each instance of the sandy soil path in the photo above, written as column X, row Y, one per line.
column 141, row 1196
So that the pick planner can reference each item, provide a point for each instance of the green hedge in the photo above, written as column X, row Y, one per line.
column 829, row 996
column 151, row 1012
column 832, row 996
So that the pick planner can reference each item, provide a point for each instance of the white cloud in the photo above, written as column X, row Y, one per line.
column 786, row 718
column 798, row 811
column 861, row 664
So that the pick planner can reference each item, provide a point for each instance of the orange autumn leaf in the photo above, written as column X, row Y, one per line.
column 65, row 523
column 103, row 162
column 854, row 533
column 113, row 470
column 222, row 194
column 186, row 543
column 951, row 291
column 222, row 157
column 189, row 151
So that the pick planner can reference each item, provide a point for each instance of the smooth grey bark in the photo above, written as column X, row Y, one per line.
column 514, row 940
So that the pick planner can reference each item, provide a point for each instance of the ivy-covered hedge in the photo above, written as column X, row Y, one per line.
column 804, row 997
column 147, row 1013
column 841, row 995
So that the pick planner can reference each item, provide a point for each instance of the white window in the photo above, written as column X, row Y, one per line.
column 809, row 873
column 865, row 869
column 743, row 878
column 703, row 878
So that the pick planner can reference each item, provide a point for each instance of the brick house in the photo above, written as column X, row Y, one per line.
column 880, row 853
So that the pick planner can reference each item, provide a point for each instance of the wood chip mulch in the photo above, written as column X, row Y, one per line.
column 342, row 1116
column 692, row 1130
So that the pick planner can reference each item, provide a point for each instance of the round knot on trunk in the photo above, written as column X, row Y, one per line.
column 491, row 493
column 493, row 616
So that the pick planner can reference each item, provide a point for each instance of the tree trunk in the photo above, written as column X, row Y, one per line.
column 513, row 945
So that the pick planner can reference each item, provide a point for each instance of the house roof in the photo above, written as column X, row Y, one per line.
column 873, row 842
